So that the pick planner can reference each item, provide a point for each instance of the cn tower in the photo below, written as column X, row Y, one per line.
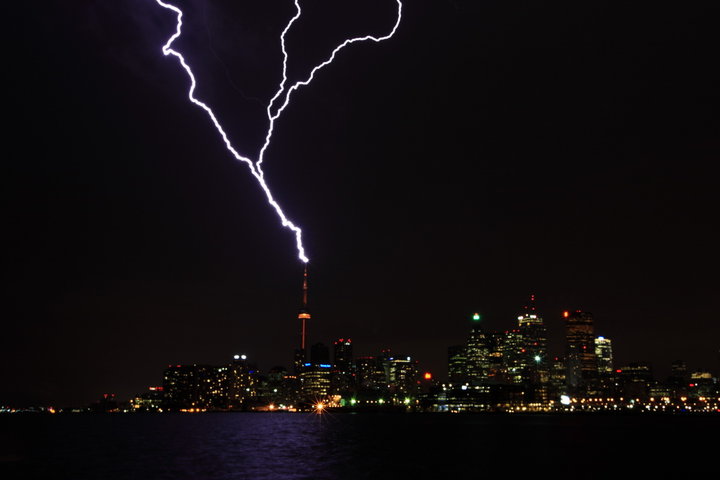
column 303, row 316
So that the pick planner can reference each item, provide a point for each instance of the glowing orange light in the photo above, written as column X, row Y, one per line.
column 566, row 314
column 304, row 315
column 427, row 376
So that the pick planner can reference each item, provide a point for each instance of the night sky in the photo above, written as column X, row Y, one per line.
column 490, row 150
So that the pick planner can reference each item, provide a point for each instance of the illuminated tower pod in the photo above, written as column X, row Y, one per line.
column 303, row 316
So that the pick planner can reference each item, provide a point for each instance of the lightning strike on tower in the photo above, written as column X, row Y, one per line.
column 283, row 95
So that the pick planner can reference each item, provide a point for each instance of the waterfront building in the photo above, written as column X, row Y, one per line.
column 279, row 388
column 459, row 398
column 242, row 382
column 702, row 384
column 371, row 375
column 151, row 401
column 195, row 387
column 636, row 379
column 315, row 380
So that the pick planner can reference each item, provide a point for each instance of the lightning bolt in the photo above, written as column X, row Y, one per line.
column 282, row 96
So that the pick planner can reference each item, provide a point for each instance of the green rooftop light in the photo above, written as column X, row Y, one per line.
column 476, row 317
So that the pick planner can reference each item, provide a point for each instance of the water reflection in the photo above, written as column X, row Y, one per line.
column 327, row 445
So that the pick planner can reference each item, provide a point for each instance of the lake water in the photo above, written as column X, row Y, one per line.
column 260, row 446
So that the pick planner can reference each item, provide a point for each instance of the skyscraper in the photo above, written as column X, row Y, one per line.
column 457, row 364
column 242, row 381
column 581, row 362
column 603, row 352
column 513, row 355
column 343, row 354
column 534, row 341
column 477, row 352
column 342, row 379
column 371, row 375
column 403, row 376
column 315, row 380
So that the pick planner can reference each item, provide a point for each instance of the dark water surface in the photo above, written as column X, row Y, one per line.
column 355, row 446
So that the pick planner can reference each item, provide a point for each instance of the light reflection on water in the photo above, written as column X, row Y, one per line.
column 260, row 446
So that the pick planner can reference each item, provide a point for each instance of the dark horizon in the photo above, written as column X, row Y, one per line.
column 488, row 151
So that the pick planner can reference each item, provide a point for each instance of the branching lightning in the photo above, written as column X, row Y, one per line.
column 282, row 96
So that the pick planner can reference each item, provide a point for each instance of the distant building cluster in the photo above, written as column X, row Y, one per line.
column 492, row 371
column 343, row 381
column 512, row 371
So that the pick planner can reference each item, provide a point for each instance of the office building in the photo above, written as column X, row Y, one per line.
column 580, row 359
column 603, row 353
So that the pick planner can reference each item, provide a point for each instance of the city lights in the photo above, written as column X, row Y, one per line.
column 493, row 371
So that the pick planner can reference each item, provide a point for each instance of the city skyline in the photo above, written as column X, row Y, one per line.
column 492, row 371
column 584, row 355
column 487, row 151
column 510, row 371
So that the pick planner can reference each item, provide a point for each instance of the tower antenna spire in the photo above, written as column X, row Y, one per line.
column 305, row 288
